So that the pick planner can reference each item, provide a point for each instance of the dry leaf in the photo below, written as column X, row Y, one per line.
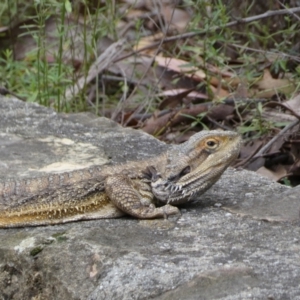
column 176, row 17
column 180, row 66
column 276, row 174
column 219, row 92
column 147, row 41
column 293, row 104
column 269, row 86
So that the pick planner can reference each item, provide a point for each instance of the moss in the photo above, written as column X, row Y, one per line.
column 36, row 250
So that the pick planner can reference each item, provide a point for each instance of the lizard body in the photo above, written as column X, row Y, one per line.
column 133, row 188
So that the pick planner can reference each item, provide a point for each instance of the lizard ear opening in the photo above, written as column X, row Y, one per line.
column 151, row 173
column 183, row 172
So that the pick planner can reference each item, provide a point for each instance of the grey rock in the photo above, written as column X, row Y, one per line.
column 238, row 241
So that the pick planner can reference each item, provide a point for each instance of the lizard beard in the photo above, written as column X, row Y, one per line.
column 181, row 189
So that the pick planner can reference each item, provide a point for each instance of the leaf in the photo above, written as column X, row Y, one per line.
column 180, row 66
column 269, row 86
column 68, row 6
column 176, row 97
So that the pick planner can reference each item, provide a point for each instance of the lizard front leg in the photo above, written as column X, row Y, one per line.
column 134, row 197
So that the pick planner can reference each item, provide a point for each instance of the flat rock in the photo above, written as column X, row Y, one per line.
column 238, row 241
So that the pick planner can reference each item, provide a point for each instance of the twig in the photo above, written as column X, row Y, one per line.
column 102, row 62
column 187, row 35
column 297, row 17
column 244, row 162
column 230, row 101
column 146, row 71
column 280, row 54
column 4, row 92
column 275, row 138
column 285, row 106
column 218, row 125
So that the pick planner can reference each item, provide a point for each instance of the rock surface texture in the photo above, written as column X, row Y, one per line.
column 241, row 240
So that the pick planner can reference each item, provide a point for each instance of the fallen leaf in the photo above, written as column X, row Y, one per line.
column 175, row 99
column 176, row 17
column 159, row 125
column 221, row 112
column 293, row 104
column 278, row 172
column 180, row 66
column 269, row 86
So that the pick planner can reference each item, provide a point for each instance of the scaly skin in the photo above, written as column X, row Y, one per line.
column 111, row 191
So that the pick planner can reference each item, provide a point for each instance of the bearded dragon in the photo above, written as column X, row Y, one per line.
column 134, row 188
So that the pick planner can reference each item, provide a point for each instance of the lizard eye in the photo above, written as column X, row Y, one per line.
column 211, row 144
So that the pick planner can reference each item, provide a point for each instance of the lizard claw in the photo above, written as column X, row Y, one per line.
column 151, row 173
column 169, row 210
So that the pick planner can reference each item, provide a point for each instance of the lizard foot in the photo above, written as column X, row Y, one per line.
column 129, row 197
column 169, row 210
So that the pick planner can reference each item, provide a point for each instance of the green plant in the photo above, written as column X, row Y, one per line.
column 46, row 71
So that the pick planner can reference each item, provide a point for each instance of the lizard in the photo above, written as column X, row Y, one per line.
column 143, row 189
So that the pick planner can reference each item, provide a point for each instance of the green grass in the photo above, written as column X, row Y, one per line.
column 44, row 75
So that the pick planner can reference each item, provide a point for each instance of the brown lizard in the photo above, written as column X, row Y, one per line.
column 133, row 188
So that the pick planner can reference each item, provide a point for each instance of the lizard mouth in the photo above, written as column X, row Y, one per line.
column 170, row 190
column 165, row 189
column 172, row 193
column 177, row 191
column 183, row 188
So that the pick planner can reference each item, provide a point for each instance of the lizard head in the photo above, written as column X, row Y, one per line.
column 194, row 166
